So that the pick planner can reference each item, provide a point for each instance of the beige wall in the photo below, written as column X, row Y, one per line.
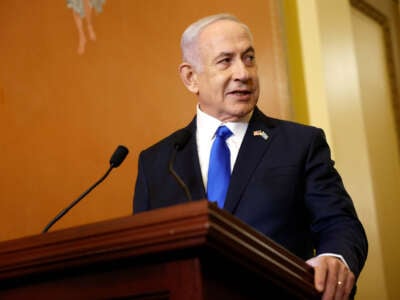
column 358, row 122
column 380, row 131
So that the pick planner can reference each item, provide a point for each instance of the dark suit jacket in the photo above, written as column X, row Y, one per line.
column 285, row 187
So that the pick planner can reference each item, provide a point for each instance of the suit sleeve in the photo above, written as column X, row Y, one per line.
column 334, row 222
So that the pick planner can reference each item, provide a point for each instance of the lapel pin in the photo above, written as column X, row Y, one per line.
column 260, row 133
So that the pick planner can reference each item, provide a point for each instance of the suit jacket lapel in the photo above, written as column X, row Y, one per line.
column 188, row 167
column 252, row 150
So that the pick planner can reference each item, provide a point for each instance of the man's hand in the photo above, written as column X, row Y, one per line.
column 332, row 277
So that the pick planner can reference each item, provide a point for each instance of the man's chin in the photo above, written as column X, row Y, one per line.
column 243, row 108
column 238, row 114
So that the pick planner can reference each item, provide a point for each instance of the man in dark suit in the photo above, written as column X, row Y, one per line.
column 283, row 181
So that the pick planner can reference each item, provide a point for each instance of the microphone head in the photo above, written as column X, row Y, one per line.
column 118, row 156
column 181, row 139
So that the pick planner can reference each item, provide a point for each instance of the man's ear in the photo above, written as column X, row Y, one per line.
column 189, row 77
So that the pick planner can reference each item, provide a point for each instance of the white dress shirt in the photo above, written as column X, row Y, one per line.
column 205, row 135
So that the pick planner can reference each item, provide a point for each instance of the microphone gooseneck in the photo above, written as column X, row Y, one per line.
column 116, row 159
column 181, row 139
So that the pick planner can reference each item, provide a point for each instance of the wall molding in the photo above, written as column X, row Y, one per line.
column 379, row 17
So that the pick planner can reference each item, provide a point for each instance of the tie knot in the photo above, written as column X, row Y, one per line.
column 223, row 132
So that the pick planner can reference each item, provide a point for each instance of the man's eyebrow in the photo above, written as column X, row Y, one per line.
column 229, row 54
column 223, row 54
column 250, row 49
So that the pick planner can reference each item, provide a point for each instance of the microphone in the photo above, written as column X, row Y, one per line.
column 116, row 159
column 181, row 139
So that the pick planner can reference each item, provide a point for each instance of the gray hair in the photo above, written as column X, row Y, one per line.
column 189, row 38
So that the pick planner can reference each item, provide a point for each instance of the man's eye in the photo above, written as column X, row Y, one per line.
column 225, row 60
column 250, row 59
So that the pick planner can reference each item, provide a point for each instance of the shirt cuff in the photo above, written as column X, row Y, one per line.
column 337, row 256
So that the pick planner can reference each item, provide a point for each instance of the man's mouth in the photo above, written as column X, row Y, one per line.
column 240, row 92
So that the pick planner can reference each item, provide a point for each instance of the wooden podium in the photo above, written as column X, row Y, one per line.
column 186, row 252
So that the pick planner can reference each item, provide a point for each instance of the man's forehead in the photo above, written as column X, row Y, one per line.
column 224, row 34
column 224, row 28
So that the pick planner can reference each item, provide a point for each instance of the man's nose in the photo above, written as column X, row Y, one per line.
column 240, row 71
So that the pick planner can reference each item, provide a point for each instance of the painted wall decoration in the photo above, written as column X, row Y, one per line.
column 82, row 13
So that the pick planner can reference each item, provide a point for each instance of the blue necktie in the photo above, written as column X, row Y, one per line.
column 219, row 168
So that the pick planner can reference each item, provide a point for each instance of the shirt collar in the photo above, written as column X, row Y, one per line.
column 207, row 125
